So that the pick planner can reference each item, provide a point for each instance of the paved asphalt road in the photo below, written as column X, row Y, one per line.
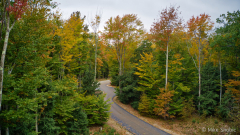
column 132, row 123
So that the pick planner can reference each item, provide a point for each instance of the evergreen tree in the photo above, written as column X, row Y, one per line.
column 224, row 109
column 210, row 85
column 89, row 85
column 78, row 124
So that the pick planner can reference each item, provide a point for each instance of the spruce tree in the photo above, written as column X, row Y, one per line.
column 89, row 85
column 210, row 85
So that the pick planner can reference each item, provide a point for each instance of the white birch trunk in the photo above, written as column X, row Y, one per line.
column 96, row 42
column 166, row 80
column 3, row 58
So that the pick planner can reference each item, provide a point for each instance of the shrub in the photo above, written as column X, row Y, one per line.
column 135, row 104
column 96, row 108
column 193, row 121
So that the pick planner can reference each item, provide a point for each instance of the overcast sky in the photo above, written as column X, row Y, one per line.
column 146, row 10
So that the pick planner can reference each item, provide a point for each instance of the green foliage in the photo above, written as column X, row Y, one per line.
column 96, row 108
column 129, row 93
column 144, row 105
column 39, row 88
column 210, row 84
column 235, row 118
column 135, row 105
column 48, row 76
column 89, row 85
column 227, row 38
column 176, row 107
column 147, row 70
column 145, row 47
column 188, row 108
column 193, row 121
column 79, row 120
column 106, row 131
column 227, row 103
column 115, row 80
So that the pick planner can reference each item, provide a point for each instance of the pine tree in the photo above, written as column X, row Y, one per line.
column 89, row 85
column 210, row 86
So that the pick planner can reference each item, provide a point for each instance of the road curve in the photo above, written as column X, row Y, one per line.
column 127, row 120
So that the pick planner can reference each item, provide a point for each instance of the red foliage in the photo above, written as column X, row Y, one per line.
column 165, row 25
column 18, row 8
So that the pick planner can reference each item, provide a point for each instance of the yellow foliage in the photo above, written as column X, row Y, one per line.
column 71, row 35
column 153, row 46
column 236, row 73
column 99, row 62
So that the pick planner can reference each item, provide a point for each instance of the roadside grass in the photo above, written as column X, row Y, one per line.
column 111, row 127
column 103, row 130
column 194, row 125
column 103, row 79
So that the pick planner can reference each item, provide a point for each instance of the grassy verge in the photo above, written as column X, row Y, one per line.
column 111, row 127
column 103, row 79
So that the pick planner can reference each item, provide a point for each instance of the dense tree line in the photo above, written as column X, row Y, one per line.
column 48, row 83
column 177, row 69
column 49, row 67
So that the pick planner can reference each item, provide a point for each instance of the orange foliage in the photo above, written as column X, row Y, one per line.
column 162, row 103
column 234, row 85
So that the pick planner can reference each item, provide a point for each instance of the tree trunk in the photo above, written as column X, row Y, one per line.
column 199, row 69
column 3, row 58
column 7, row 131
column 96, row 42
column 9, row 72
column 166, row 80
column 120, row 72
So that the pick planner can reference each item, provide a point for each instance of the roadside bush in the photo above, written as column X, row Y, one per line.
column 128, row 84
column 79, row 120
column 96, row 108
column 135, row 104
column 115, row 80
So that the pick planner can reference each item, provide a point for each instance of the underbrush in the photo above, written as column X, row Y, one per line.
column 104, row 130
column 203, row 125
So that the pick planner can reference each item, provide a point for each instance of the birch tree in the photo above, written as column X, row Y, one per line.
column 119, row 32
column 16, row 10
column 95, row 26
column 198, row 28
column 162, row 30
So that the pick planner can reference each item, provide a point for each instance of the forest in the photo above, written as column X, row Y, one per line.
column 50, row 66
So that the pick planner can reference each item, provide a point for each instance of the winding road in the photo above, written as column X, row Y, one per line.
column 127, row 120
